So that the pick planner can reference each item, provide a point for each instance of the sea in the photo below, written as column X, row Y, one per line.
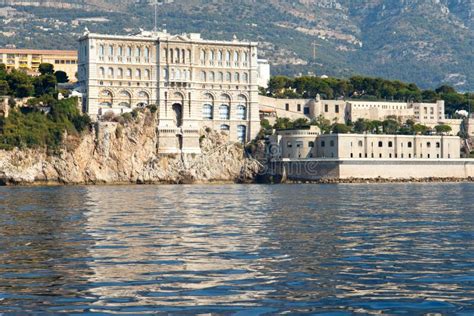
column 241, row 249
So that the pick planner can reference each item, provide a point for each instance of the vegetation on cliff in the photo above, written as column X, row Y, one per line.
column 366, row 88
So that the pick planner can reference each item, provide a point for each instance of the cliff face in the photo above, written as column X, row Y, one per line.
column 115, row 153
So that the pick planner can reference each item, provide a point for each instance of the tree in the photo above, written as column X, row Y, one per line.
column 390, row 126
column 445, row 89
column 421, row 129
column 4, row 88
column 24, row 90
column 361, row 126
column 61, row 76
column 323, row 124
column 46, row 69
column 45, row 84
column 300, row 122
column 443, row 129
column 283, row 123
column 340, row 128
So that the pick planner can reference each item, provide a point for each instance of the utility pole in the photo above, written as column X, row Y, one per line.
column 155, row 28
column 314, row 50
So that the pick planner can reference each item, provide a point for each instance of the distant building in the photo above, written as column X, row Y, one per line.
column 30, row 59
column 195, row 83
column 4, row 106
column 263, row 73
column 309, row 143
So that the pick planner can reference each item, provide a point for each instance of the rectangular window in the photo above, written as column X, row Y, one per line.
column 337, row 108
column 299, row 107
column 326, row 108
column 287, row 107
column 306, row 110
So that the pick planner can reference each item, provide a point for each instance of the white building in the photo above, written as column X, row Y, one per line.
column 195, row 83
column 263, row 73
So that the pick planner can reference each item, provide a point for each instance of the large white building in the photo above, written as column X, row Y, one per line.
column 195, row 83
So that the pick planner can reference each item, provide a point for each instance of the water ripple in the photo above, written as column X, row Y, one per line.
column 238, row 249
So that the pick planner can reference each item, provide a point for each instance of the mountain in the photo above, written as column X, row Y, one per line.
column 429, row 42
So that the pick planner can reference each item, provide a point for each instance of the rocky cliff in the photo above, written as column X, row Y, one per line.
column 126, row 153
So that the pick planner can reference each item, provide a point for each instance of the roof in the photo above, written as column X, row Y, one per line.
column 38, row 51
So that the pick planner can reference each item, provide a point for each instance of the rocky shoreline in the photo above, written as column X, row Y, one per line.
column 126, row 153
column 380, row 180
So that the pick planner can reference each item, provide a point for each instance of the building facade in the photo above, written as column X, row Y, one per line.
column 195, row 83
column 30, row 59
column 309, row 143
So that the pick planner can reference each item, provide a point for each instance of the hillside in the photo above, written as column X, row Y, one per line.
column 428, row 42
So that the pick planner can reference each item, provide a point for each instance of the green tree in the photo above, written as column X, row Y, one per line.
column 46, row 69
column 323, row 124
column 421, row 129
column 445, row 89
column 443, row 129
column 300, row 123
column 45, row 84
column 4, row 88
column 61, row 76
column 340, row 128
column 390, row 126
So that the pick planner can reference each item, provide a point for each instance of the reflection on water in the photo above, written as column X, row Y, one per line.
column 238, row 249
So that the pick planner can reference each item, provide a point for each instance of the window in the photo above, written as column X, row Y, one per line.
column 101, row 50
column 331, row 143
column 165, row 74
column 241, row 133
column 147, row 52
column 228, row 77
column 390, row 144
column 129, row 51
column 110, row 72
column 120, row 73
column 111, row 50
column 147, row 74
column 203, row 76
column 287, row 107
column 380, row 144
column 246, row 77
column 101, row 71
column 220, row 77
column 129, row 73
column 207, row 111
column 138, row 73
column 438, row 145
column 298, row 106
column 241, row 112
column 225, row 127
column 337, row 108
column 311, row 144
column 410, row 145
column 236, row 56
column 212, row 76
column 219, row 55
column 211, row 56
column 326, row 108
column 306, row 110
column 428, row 144
column 323, row 143
column 289, row 145
column 227, row 56
column 361, row 143
column 237, row 77
column 224, row 113
column 202, row 56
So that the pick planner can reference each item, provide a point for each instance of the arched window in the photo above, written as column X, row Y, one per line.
column 183, row 56
column 178, row 74
column 120, row 73
column 390, row 144
column 207, row 111
column 219, row 55
column 129, row 51
column 105, row 98
column 144, row 99
column 111, row 50
column 147, row 74
column 101, row 50
column 246, row 57
column 410, row 145
column 110, row 72
column 241, row 133
column 177, row 55
column 138, row 52
column 227, row 55
column 212, row 76
column 203, row 76
column 225, row 127
column 241, row 112
column 228, row 77
column 120, row 51
column 236, row 56
column 212, row 55
column 165, row 74
column 138, row 74
column 125, row 98
column 246, row 77
column 171, row 56
column 202, row 56
column 101, row 71
column 129, row 73
column 220, row 77
column 165, row 54
column 224, row 112
column 236, row 77
column 189, row 55
column 147, row 52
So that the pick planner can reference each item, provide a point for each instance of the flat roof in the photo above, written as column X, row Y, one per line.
column 37, row 51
